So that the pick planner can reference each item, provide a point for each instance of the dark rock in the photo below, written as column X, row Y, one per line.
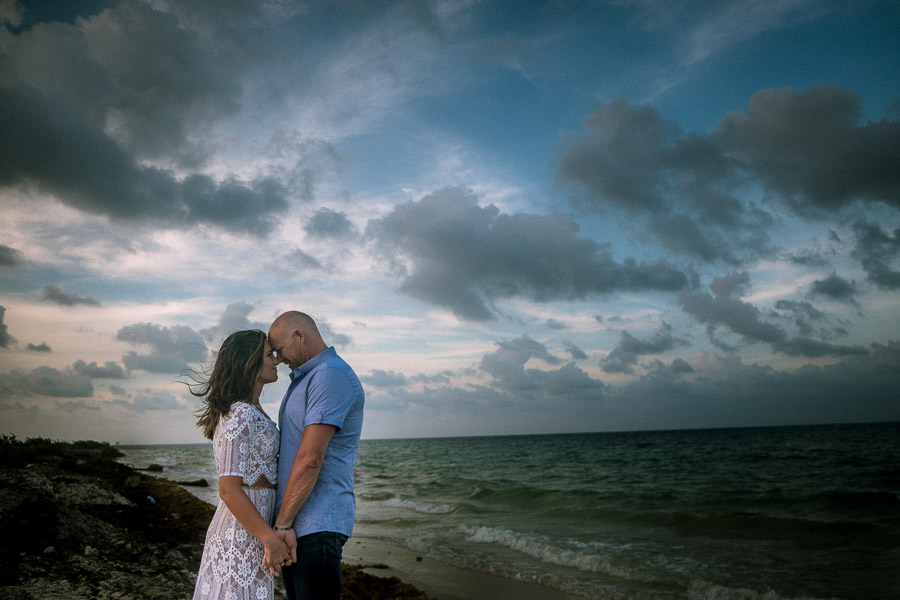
column 195, row 483
column 85, row 529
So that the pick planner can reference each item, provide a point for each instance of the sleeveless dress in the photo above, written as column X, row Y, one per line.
column 245, row 444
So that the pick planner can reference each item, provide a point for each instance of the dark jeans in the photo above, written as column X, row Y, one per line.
column 317, row 573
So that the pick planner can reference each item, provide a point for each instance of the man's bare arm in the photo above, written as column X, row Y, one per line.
column 304, row 471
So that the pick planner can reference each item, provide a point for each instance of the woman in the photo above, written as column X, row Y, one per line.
column 240, row 542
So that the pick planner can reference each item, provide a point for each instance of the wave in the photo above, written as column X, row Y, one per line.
column 429, row 508
column 540, row 548
column 703, row 590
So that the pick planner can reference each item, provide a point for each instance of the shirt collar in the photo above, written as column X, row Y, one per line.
column 308, row 366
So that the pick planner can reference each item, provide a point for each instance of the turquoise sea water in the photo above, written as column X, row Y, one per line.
column 743, row 514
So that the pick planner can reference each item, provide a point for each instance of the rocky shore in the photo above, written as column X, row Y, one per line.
column 75, row 524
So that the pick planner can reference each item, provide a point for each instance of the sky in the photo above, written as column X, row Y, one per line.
column 508, row 217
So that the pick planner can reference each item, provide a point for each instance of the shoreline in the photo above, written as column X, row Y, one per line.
column 77, row 524
column 440, row 581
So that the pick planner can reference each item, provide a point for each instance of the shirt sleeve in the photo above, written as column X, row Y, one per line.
column 232, row 442
column 330, row 397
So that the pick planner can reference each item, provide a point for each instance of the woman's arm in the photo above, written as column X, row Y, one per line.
column 239, row 504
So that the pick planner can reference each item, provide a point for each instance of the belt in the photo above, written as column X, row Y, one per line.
column 265, row 485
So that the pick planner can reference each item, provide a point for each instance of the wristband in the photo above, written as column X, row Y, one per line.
column 279, row 528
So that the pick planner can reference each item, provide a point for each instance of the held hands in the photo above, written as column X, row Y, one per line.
column 280, row 551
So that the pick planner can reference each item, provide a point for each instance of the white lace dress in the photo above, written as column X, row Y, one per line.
column 245, row 444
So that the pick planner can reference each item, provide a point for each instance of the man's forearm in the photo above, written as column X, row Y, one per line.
column 301, row 482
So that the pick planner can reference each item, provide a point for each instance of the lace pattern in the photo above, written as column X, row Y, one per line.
column 245, row 444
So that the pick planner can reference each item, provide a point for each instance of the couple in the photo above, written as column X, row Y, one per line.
column 304, row 479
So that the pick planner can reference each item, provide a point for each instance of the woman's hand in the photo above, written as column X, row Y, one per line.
column 280, row 551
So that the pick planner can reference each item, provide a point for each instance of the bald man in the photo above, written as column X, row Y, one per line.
column 320, row 420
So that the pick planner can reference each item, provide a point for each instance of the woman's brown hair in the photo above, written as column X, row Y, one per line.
column 233, row 377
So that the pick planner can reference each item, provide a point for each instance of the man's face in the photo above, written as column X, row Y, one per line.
column 287, row 347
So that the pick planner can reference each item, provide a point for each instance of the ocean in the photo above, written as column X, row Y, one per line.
column 720, row 514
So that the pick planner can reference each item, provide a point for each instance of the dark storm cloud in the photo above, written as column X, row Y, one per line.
column 836, row 288
column 623, row 357
column 329, row 224
column 300, row 259
column 172, row 348
column 5, row 338
column 234, row 318
column 54, row 148
column 42, row 347
column 80, row 120
column 52, row 293
column 809, row 149
column 724, row 308
column 803, row 313
column 385, row 379
column 10, row 257
column 451, row 252
column 574, row 351
column 155, row 81
column 46, row 381
column 633, row 159
column 811, row 348
column 876, row 250
column 732, row 393
column 108, row 370
column 507, row 368
column 739, row 317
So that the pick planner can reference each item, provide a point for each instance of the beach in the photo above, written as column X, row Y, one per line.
column 745, row 514
column 75, row 524
column 438, row 580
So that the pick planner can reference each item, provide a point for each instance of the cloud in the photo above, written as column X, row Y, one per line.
column 151, row 80
column 739, row 317
column 330, row 335
column 42, row 347
column 810, row 148
column 632, row 159
column 52, row 293
column 150, row 400
column 301, row 260
column 172, row 348
column 574, row 351
column 815, row 349
column 726, row 392
column 46, row 381
column 11, row 257
column 55, row 148
column 746, row 320
column 108, row 370
column 876, row 250
column 5, row 338
column 555, row 324
column 450, row 252
column 328, row 224
column 624, row 356
column 234, row 318
column 734, row 22
column 121, row 134
column 803, row 312
column 387, row 379
column 75, row 406
column 836, row 288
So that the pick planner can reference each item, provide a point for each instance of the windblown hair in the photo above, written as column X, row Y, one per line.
column 233, row 377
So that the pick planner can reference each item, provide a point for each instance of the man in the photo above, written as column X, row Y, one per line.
column 320, row 420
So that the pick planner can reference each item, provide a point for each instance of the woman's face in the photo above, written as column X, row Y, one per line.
column 269, row 371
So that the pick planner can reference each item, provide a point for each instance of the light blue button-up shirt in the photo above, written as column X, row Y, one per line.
column 323, row 390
